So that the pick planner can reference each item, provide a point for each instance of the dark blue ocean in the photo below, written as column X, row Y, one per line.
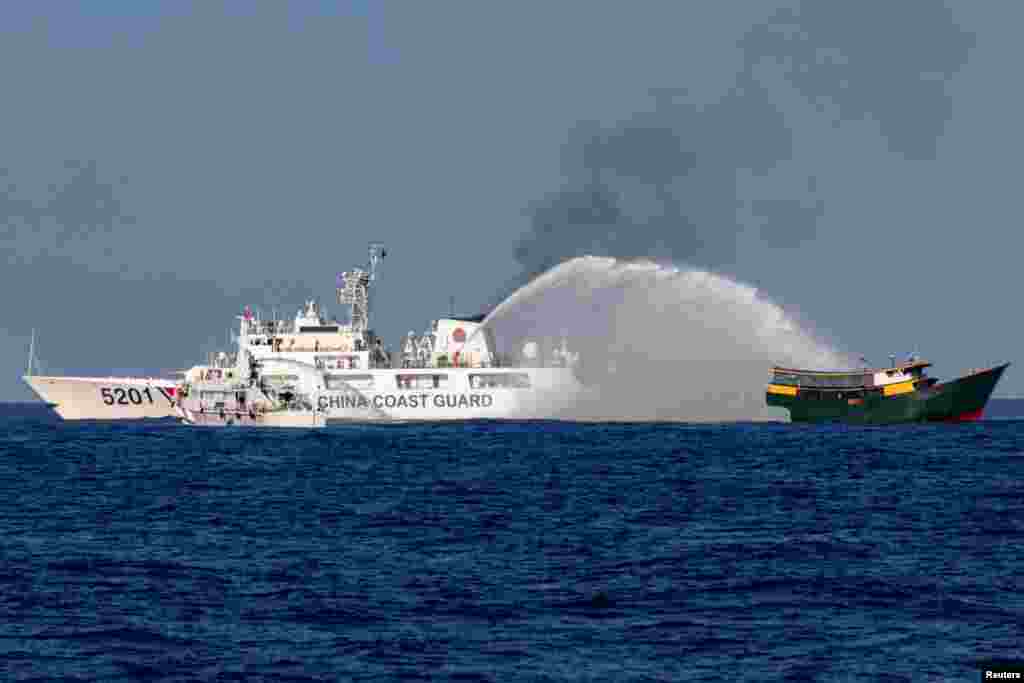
column 498, row 551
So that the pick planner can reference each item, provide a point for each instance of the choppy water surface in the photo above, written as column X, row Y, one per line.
column 509, row 551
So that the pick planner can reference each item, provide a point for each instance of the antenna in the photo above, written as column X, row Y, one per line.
column 31, row 351
column 377, row 252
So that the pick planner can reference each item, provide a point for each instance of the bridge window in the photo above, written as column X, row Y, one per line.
column 346, row 381
column 214, row 395
column 502, row 380
column 337, row 362
column 422, row 381
column 280, row 379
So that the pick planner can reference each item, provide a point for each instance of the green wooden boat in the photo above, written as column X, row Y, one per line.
column 901, row 393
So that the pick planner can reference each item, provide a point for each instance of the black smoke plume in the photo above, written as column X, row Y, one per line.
column 664, row 184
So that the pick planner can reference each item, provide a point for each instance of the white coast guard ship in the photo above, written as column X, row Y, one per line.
column 311, row 370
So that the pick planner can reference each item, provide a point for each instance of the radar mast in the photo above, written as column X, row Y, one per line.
column 354, row 288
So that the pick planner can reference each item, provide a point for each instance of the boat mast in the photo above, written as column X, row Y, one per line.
column 31, row 351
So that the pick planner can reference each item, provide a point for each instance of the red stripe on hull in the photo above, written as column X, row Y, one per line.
column 969, row 416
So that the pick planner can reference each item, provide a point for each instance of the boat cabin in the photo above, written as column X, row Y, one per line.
column 898, row 379
column 850, row 379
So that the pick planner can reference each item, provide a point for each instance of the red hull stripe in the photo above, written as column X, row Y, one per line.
column 168, row 393
column 969, row 416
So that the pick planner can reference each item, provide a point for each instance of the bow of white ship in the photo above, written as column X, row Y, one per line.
column 106, row 398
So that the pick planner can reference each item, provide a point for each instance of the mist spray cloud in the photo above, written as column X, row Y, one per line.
column 659, row 342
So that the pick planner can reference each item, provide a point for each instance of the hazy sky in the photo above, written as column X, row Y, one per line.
column 164, row 164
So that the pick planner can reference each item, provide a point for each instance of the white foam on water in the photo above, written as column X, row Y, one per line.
column 659, row 342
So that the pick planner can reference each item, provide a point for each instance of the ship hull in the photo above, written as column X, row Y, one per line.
column 551, row 391
column 959, row 400
column 106, row 398
column 135, row 398
column 294, row 419
column 396, row 396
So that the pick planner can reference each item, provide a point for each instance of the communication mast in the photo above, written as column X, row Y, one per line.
column 354, row 289
column 31, row 352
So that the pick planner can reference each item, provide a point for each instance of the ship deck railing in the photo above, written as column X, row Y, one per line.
column 899, row 367
column 824, row 382
column 281, row 348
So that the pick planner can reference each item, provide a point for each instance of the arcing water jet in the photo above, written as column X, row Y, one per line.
column 657, row 342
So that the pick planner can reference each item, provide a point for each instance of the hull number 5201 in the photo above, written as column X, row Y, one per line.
column 123, row 397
